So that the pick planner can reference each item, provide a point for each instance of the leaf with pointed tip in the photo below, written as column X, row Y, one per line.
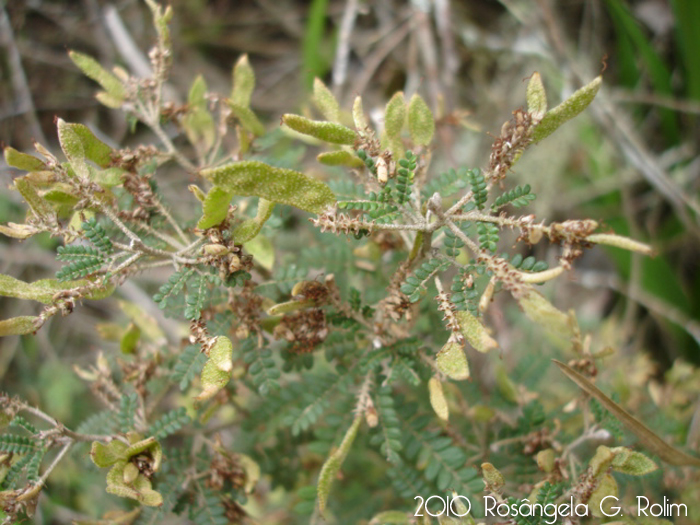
column 37, row 203
column 217, row 370
column 42, row 290
column 327, row 131
column 475, row 332
column 340, row 158
column 280, row 185
column 536, row 97
column 421, row 124
column 650, row 440
column 331, row 467
column 23, row 161
column 72, row 147
column 325, row 101
column 215, row 207
column 248, row 119
column 18, row 231
column 249, row 228
column 198, row 122
column 395, row 115
column 110, row 83
column 541, row 311
column 632, row 462
column 93, row 148
column 358, row 114
column 567, row 110
column 243, row 82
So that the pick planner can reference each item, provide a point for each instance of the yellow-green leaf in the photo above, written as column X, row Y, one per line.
column 452, row 362
column 38, row 204
column 215, row 207
column 42, row 290
column 505, row 385
column 18, row 231
column 437, row 398
column 327, row 131
column 72, row 147
column 252, row 472
column 421, row 124
column 632, row 462
column 358, row 114
column 325, row 101
column 243, row 82
column 91, row 68
column 332, row 465
column 650, row 440
column 290, row 306
column 493, row 477
column 280, row 185
column 618, row 241
column 106, row 455
column 249, row 228
column 247, row 118
column 567, row 110
column 217, row 370
column 25, row 324
column 536, row 97
column 262, row 250
column 22, row 161
column 130, row 339
column 541, row 311
column 93, row 148
column 198, row 122
column 395, row 116
column 475, row 332
column 340, row 158
column 598, row 505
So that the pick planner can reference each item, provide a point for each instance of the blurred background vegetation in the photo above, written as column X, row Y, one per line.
column 630, row 162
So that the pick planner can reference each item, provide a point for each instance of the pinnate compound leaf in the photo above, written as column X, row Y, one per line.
column 243, row 82
column 217, row 370
column 331, row 467
column 567, row 110
column 23, row 161
column 25, row 324
column 475, row 332
column 279, row 185
column 327, row 131
column 650, row 440
column 421, row 124
column 536, row 97
column 325, row 101
column 452, row 362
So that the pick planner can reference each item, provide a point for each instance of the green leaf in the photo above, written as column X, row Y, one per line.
column 567, row 110
column 22, row 161
column 395, row 116
column 358, row 114
column 632, row 462
column 198, row 122
column 325, row 101
column 25, row 324
column 248, row 119
column 452, row 362
column 107, row 455
column 72, row 147
column 601, row 507
column 215, row 207
column 536, row 97
column 280, row 185
column 421, row 124
column 331, row 467
column 42, row 290
column 475, row 332
column 249, row 228
column 217, row 370
column 243, row 82
column 93, row 148
column 340, row 158
column 326, row 131
column 41, row 208
column 111, row 84
column 650, row 440
column 539, row 310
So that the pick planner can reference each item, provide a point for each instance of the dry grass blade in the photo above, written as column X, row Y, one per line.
column 650, row 440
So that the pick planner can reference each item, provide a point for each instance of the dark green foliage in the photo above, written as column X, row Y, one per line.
column 173, row 286
column 547, row 495
column 284, row 278
column 518, row 197
column 261, row 367
column 189, row 363
column 238, row 278
column 417, row 282
column 195, row 297
column 35, row 464
column 127, row 410
column 97, row 235
column 447, row 183
column 407, row 481
column 529, row 264
column 15, row 471
column 478, row 184
column 404, row 176
column 210, row 511
column 20, row 422
column 307, row 495
column 169, row 423
column 104, row 422
column 465, row 294
column 17, row 444
column 606, row 420
column 77, row 252
column 388, row 433
column 452, row 243
column 80, row 268
column 314, row 403
column 488, row 236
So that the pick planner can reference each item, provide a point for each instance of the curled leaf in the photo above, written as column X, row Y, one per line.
column 619, row 241
column 215, row 207
column 567, row 110
column 650, row 440
column 332, row 465
column 327, row 131
column 421, row 124
column 452, row 362
column 217, row 370
column 598, row 505
column 280, row 185
column 18, row 231
column 340, row 158
column 475, row 332
column 42, row 290
column 249, row 228
column 437, row 398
